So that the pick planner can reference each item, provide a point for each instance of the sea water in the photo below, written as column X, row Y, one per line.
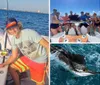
column 60, row 76
column 31, row 20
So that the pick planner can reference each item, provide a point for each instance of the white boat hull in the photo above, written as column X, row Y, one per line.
column 3, row 75
column 91, row 39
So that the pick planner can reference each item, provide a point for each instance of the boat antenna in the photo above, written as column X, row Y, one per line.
column 7, row 8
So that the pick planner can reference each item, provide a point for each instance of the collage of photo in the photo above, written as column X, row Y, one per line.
column 50, row 42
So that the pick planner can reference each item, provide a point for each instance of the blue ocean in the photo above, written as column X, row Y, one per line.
column 36, row 21
column 60, row 76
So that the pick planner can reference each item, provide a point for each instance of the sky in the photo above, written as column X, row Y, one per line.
column 27, row 5
column 76, row 6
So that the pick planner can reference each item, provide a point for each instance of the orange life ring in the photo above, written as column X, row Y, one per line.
column 70, row 38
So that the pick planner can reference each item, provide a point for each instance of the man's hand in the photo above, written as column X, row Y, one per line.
column 2, row 65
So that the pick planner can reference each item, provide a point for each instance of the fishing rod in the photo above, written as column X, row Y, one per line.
column 6, row 36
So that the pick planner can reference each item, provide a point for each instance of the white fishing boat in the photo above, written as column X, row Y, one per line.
column 3, row 75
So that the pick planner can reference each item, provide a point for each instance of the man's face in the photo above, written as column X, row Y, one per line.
column 13, row 30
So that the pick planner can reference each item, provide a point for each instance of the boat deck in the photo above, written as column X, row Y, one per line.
column 25, row 81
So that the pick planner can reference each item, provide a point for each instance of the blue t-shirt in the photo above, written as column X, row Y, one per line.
column 83, row 17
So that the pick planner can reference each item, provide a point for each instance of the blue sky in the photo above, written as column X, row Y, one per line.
column 76, row 6
column 28, row 5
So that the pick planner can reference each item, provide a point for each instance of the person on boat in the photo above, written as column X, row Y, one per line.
column 65, row 18
column 95, row 22
column 84, row 26
column 83, row 16
column 34, row 49
column 58, row 15
column 59, row 18
column 76, row 17
column 87, row 16
column 55, row 23
column 71, row 15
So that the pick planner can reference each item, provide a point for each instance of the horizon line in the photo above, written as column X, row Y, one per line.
column 24, row 11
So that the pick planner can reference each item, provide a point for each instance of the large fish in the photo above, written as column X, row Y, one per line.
column 75, row 62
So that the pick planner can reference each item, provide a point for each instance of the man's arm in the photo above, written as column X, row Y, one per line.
column 11, row 58
column 45, row 44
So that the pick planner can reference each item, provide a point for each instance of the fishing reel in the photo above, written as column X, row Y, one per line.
column 3, row 52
